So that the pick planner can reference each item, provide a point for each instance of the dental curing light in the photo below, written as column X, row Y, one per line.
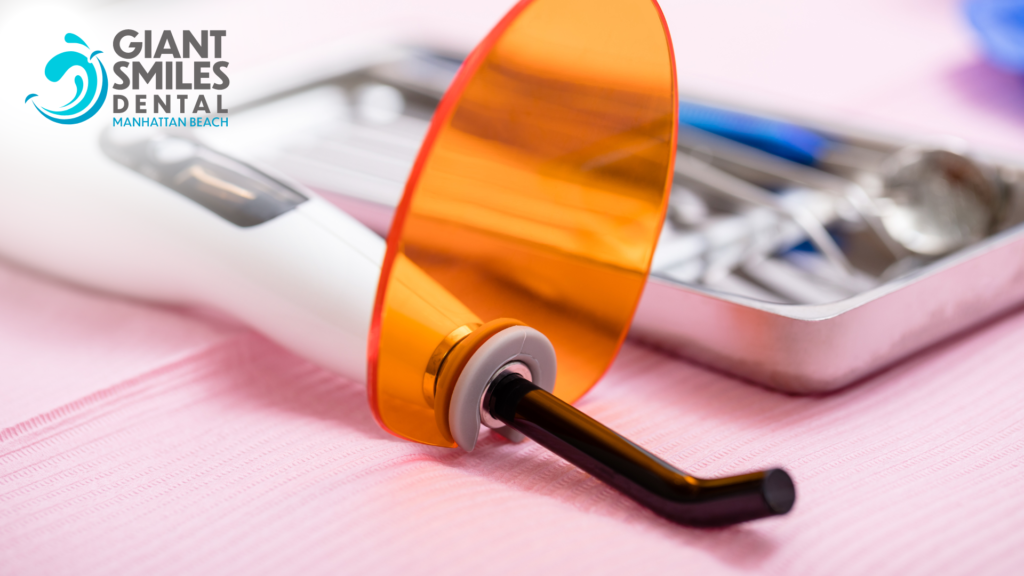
column 536, row 201
column 514, row 264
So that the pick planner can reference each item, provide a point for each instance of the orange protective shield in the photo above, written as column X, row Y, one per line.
column 538, row 195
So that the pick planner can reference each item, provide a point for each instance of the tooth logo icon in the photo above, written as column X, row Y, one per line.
column 89, row 74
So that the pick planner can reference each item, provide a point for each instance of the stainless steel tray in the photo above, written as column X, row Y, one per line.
column 808, row 349
column 818, row 348
column 798, row 348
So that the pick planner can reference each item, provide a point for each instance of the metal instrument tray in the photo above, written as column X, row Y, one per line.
column 797, row 348
column 806, row 349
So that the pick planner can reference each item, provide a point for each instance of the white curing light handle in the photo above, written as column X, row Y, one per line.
column 177, row 222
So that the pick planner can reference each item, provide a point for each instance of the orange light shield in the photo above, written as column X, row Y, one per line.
column 538, row 195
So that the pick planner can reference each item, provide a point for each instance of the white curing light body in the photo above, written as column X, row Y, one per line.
column 306, row 278
column 166, row 219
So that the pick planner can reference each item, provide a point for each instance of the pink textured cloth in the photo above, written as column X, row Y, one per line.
column 238, row 457
column 144, row 440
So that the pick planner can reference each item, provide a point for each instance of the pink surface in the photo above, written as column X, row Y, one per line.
column 139, row 440
column 241, row 458
column 59, row 344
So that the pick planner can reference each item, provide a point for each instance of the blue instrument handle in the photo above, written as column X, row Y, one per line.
column 1000, row 27
column 789, row 141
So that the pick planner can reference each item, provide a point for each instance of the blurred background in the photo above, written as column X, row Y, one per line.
column 899, row 64
column 919, row 106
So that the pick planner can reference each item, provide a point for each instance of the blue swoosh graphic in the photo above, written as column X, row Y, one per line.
column 58, row 67
column 91, row 112
column 74, row 39
column 78, row 92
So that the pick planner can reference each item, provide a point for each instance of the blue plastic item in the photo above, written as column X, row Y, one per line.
column 780, row 138
column 1000, row 26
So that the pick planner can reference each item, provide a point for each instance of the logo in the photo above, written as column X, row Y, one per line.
column 86, row 102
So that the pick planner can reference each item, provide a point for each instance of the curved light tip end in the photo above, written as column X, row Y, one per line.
column 778, row 491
